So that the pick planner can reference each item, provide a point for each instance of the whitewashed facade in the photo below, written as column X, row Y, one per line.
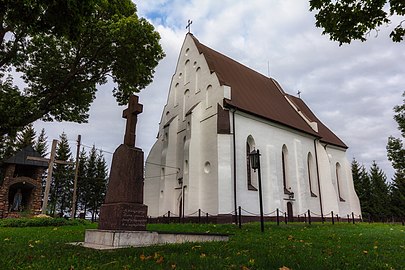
column 199, row 160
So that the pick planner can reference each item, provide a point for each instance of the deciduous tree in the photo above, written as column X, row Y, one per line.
column 347, row 20
column 63, row 50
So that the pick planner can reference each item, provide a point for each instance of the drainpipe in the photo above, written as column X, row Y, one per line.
column 317, row 174
column 234, row 165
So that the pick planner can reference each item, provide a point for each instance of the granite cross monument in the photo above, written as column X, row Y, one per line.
column 123, row 208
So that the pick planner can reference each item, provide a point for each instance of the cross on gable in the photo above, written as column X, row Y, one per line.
column 131, row 114
column 189, row 25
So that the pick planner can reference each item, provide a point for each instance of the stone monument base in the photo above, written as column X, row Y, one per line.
column 113, row 239
column 123, row 216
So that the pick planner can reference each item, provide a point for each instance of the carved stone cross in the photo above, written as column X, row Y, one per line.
column 131, row 114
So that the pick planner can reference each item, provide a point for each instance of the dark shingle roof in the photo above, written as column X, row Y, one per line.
column 21, row 158
column 257, row 94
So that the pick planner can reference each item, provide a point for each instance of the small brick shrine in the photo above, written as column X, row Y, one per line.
column 18, row 173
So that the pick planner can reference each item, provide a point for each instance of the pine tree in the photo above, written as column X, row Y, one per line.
column 91, row 175
column 26, row 137
column 63, row 175
column 398, row 196
column 40, row 145
column 82, row 181
column 396, row 154
column 362, row 186
column 8, row 146
column 100, row 186
column 379, row 200
column 356, row 173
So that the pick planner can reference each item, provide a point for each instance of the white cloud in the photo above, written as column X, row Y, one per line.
column 351, row 88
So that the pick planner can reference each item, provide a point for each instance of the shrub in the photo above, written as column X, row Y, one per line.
column 40, row 222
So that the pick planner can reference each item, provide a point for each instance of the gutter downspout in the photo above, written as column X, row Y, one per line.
column 234, row 166
column 317, row 174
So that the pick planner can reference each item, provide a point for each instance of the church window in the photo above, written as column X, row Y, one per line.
column 187, row 50
column 207, row 167
column 185, row 99
column 187, row 72
column 284, row 165
column 197, row 75
column 338, row 181
column 176, row 89
column 208, row 96
column 311, row 174
column 186, row 166
column 250, row 174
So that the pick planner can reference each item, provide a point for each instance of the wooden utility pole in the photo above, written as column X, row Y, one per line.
column 79, row 138
column 50, row 161
column 49, row 176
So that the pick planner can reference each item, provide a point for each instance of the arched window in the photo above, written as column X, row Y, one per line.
column 185, row 99
column 208, row 96
column 284, row 164
column 176, row 89
column 250, row 173
column 311, row 175
column 197, row 75
column 338, row 181
column 187, row 71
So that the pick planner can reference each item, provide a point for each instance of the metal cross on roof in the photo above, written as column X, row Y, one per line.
column 131, row 114
column 189, row 25
column 299, row 93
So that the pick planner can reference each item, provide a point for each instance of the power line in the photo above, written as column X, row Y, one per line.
column 151, row 163
column 160, row 176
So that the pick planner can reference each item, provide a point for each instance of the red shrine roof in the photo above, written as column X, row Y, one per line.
column 259, row 95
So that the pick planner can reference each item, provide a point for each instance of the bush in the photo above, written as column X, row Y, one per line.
column 40, row 222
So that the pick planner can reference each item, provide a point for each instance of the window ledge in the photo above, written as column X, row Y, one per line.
column 313, row 195
column 250, row 187
column 287, row 192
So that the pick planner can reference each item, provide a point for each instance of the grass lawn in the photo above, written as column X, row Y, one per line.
column 292, row 246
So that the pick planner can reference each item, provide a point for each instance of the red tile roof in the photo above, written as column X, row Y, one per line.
column 259, row 95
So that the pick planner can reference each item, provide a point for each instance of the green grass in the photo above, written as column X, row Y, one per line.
column 296, row 246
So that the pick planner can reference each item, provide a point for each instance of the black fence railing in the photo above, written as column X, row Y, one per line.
column 278, row 216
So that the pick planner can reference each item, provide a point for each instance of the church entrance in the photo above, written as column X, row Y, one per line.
column 290, row 212
column 20, row 197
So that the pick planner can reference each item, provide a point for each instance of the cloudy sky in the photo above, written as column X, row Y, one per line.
column 351, row 88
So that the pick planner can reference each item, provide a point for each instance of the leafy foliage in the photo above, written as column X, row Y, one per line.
column 63, row 50
column 347, row 20
column 39, row 222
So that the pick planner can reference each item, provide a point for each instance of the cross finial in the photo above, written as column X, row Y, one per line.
column 299, row 93
column 131, row 114
column 189, row 25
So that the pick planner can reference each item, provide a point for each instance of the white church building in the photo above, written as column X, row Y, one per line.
column 217, row 112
